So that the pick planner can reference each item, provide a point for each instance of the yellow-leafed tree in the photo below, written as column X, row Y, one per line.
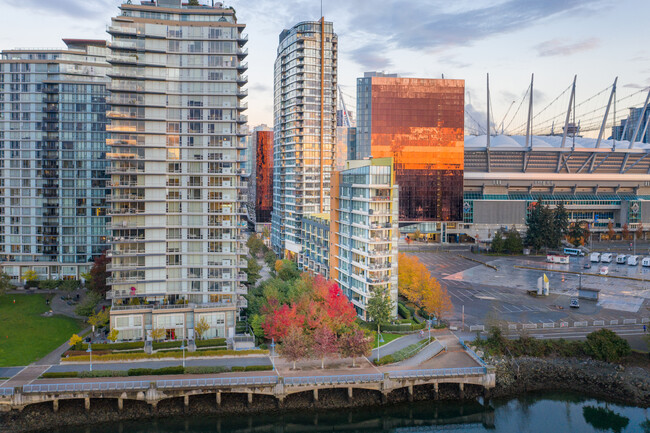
column 413, row 278
column 436, row 300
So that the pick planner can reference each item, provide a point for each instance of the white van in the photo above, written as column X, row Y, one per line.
column 621, row 259
column 633, row 260
column 645, row 262
column 594, row 257
column 606, row 257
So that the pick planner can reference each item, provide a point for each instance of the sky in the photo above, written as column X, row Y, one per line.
column 597, row 40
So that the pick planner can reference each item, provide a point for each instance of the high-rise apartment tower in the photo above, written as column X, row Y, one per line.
column 177, row 139
column 305, row 129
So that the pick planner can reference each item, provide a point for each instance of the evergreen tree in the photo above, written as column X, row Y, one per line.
column 535, row 227
column 513, row 243
column 497, row 243
column 560, row 225
column 380, row 307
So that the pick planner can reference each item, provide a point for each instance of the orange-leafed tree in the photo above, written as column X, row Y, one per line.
column 436, row 300
column 625, row 231
column 610, row 230
column 639, row 231
column 413, row 278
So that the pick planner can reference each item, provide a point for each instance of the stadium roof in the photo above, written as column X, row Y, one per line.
column 544, row 142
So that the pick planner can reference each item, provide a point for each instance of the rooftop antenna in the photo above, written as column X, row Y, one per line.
column 529, row 121
column 568, row 111
column 321, row 8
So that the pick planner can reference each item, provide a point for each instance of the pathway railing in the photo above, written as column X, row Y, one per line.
column 217, row 381
column 92, row 386
column 333, row 380
column 6, row 391
column 438, row 372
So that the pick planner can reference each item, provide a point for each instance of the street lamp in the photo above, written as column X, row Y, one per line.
column 272, row 347
column 430, row 323
column 183, row 349
column 380, row 339
column 90, row 351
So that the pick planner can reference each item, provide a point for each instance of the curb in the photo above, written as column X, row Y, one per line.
column 479, row 262
column 579, row 273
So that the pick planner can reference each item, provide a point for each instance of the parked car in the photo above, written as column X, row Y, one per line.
column 587, row 265
column 574, row 303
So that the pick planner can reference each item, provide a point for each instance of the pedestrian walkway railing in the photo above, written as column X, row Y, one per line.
column 333, row 380
column 438, row 372
column 93, row 386
column 217, row 381
column 6, row 391
column 472, row 354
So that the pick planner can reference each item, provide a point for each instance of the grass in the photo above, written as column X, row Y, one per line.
column 26, row 336
column 159, row 355
column 387, row 338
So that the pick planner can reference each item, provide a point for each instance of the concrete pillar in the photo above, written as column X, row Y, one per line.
column 87, row 403
column 410, row 388
column 218, row 398
column 120, row 404
column 461, row 387
column 280, row 402
column 486, row 394
column 55, row 405
column 436, row 391
column 315, row 394
column 384, row 398
column 153, row 405
column 250, row 398
column 186, row 402
column 350, row 393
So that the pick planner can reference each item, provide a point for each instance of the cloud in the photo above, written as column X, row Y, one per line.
column 427, row 25
column 557, row 47
column 71, row 8
column 372, row 57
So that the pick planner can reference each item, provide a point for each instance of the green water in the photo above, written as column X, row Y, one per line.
column 552, row 413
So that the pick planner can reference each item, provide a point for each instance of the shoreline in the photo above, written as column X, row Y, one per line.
column 514, row 378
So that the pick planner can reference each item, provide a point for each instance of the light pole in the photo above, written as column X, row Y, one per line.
column 90, row 351
column 380, row 339
column 430, row 323
column 183, row 349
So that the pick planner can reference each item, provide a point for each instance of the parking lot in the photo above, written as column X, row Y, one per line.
column 485, row 294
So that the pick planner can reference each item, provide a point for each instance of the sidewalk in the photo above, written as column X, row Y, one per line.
column 397, row 345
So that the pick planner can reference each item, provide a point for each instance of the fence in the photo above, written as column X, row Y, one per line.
column 439, row 372
column 333, row 380
column 95, row 386
column 6, row 391
column 217, row 381
column 564, row 324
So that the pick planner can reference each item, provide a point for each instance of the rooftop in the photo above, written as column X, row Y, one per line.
column 546, row 142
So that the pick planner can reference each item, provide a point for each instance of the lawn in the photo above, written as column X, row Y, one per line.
column 387, row 338
column 26, row 336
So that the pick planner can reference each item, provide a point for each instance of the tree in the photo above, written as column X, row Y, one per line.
column 380, row 307
column 287, row 270
column 31, row 278
column 639, row 231
column 158, row 334
column 354, row 344
column 560, row 225
column 193, row 3
column 513, row 243
column 325, row 344
column 253, row 271
column 98, row 274
column 270, row 258
column 497, row 243
column 266, row 233
column 74, row 340
column 436, row 300
column 625, row 232
column 294, row 346
column 606, row 346
column 201, row 327
column 256, row 325
column 5, row 283
column 87, row 307
column 412, row 278
column 541, row 229
column 578, row 233
column 99, row 319
column 610, row 230
column 255, row 245
column 69, row 286
column 48, row 284
column 112, row 336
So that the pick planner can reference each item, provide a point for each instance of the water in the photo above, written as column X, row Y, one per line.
column 555, row 413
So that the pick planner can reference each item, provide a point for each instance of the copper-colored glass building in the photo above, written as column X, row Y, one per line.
column 420, row 124
column 261, row 181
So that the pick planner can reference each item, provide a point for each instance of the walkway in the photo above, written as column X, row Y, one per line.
column 397, row 345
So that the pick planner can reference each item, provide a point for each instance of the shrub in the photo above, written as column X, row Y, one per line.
column 203, row 349
column 48, row 284
column 155, row 371
column 206, row 370
column 165, row 344
column 258, row 368
column 213, row 342
column 103, row 373
column 403, row 311
column 238, row 368
column 60, row 375
column 605, row 345
column 160, row 355
column 114, row 346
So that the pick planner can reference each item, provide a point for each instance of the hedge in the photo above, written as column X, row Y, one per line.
column 165, row 344
column 407, row 352
column 102, row 373
column 112, row 346
column 403, row 311
column 211, row 342
column 206, row 370
column 155, row 371
column 252, row 368
column 60, row 375
column 161, row 355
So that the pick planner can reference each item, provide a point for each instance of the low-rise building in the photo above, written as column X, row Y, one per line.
column 315, row 254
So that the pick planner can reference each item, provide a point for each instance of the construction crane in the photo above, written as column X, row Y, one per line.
column 347, row 121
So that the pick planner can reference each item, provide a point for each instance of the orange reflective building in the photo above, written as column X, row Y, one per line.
column 420, row 124
column 261, row 182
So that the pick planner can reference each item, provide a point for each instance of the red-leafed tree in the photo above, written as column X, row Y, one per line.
column 98, row 274
column 295, row 346
column 354, row 344
column 325, row 344
column 279, row 321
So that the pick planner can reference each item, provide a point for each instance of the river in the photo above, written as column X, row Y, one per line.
column 544, row 412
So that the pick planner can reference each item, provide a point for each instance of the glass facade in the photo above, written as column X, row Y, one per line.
column 53, row 159
column 261, row 179
column 304, row 129
column 420, row 124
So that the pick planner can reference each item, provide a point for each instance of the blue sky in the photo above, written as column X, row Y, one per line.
column 555, row 39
